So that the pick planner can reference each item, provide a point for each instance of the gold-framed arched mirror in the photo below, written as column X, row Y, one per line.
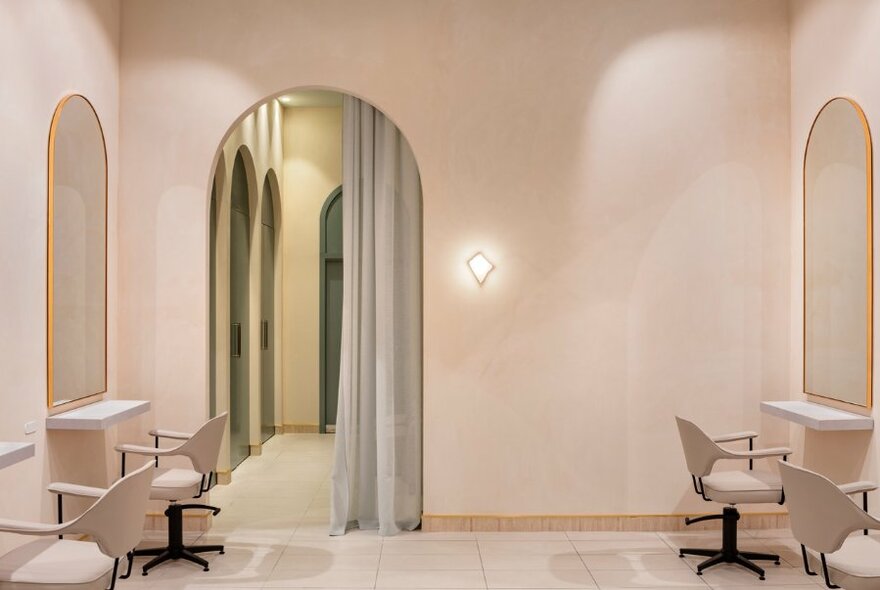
column 838, row 246
column 77, row 253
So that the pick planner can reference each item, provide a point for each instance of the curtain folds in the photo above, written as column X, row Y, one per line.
column 377, row 472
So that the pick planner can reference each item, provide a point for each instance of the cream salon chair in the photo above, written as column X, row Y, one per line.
column 823, row 519
column 732, row 488
column 114, row 525
column 173, row 485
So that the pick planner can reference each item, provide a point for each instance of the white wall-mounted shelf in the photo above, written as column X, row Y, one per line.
column 98, row 416
column 15, row 452
column 816, row 416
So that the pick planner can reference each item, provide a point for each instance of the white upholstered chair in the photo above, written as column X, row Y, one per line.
column 202, row 448
column 173, row 485
column 823, row 519
column 114, row 525
column 747, row 486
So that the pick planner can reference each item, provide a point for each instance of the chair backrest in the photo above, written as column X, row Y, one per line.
column 700, row 451
column 822, row 516
column 203, row 448
column 116, row 520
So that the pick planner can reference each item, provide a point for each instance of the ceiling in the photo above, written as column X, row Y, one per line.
column 311, row 98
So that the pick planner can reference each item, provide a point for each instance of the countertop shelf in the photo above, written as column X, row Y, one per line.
column 15, row 452
column 817, row 416
column 98, row 416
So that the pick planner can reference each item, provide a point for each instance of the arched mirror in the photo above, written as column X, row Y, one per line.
column 77, row 253
column 838, row 246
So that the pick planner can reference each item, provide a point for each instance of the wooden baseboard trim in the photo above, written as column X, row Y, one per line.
column 224, row 478
column 300, row 429
column 588, row 522
column 256, row 450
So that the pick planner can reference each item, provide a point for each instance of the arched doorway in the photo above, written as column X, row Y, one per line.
column 267, row 310
column 239, row 314
column 380, row 169
column 331, row 308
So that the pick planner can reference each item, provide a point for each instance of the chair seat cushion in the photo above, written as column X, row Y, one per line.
column 175, row 484
column 55, row 561
column 859, row 556
column 743, row 487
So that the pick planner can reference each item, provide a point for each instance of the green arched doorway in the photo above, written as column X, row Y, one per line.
column 267, row 312
column 239, row 310
column 330, row 308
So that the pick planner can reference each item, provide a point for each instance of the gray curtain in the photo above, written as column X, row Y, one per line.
column 377, row 473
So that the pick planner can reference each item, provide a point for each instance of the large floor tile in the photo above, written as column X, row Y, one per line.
column 525, row 547
column 322, row 579
column 523, row 536
column 561, row 578
column 522, row 561
column 431, row 561
column 647, row 579
column 434, row 536
column 635, row 561
column 410, row 547
column 656, row 545
column 327, row 561
column 611, row 535
column 434, row 579
column 317, row 548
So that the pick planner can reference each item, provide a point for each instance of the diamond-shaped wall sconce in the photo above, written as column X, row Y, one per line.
column 480, row 266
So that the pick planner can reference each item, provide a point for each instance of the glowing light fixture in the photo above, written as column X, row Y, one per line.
column 480, row 266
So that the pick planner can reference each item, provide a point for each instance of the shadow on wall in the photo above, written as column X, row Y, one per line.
column 668, row 180
column 81, row 457
column 839, row 456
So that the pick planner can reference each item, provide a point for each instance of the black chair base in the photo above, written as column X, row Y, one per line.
column 176, row 549
column 729, row 553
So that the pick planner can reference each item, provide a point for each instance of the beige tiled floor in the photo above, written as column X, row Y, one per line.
column 274, row 526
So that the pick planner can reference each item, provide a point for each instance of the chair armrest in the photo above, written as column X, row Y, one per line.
column 30, row 528
column 146, row 451
column 857, row 487
column 760, row 453
column 734, row 436
column 171, row 434
column 72, row 489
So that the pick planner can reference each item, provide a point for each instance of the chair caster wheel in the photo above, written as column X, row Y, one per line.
column 223, row 553
column 762, row 578
column 681, row 555
column 206, row 570
column 699, row 573
column 777, row 562
column 143, row 573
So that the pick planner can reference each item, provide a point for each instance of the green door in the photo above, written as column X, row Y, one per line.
column 239, row 406
column 331, row 308
column 267, row 326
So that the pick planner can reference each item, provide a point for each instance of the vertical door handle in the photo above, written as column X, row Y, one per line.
column 236, row 340
column 264, row 335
